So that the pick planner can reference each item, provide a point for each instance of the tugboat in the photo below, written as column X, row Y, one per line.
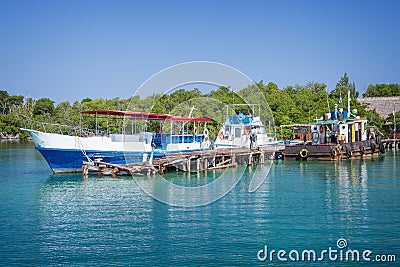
column 338, row 135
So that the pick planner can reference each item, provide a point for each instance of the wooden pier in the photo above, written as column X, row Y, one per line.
column 215, row 159
column 186, row 162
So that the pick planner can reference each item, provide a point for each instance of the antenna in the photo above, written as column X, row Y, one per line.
column 327, row 100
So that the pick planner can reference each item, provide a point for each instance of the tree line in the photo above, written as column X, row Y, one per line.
column 290, row 105
column 379, row 90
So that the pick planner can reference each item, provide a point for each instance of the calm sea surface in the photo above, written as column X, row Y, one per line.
column 63, row 220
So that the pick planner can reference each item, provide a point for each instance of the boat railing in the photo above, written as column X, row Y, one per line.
column 63, row 129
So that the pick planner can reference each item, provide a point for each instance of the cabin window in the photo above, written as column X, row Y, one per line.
column 238, row 132
column 227, row 130
column 296, row 133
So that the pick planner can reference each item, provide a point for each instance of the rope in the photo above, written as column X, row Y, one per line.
column 83, row 150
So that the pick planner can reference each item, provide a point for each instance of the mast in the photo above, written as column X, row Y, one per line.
column 348, row 101
column 327, row 101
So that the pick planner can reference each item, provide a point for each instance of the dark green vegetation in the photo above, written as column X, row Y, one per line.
column 293, row 104
column 382, row 90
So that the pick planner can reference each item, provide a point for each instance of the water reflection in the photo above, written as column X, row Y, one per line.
column 95, row 217
column 166, row 191
column 347, row 193
column 100, row 218
column 53, row 220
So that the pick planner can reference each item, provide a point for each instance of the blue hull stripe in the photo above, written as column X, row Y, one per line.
column 70, row 160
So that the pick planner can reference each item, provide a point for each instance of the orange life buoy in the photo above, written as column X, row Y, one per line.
column 247, row 132
column 221, row 135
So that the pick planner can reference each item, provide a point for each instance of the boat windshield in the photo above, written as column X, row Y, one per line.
column 260, row 129
column 239, row 119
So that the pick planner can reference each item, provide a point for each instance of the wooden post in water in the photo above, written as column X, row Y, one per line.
column 188, row 164
column 250, row 158
column 233, row 157
column 183, row 167
column 159, row 169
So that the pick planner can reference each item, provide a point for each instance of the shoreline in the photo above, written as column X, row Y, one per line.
column 9, row 137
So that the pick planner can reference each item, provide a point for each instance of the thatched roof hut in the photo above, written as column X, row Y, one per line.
column 382, row 105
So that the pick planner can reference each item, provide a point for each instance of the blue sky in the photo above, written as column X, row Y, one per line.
column 69, row 50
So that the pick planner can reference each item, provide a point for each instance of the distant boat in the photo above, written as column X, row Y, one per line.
column 237, row 128
column 66, row 153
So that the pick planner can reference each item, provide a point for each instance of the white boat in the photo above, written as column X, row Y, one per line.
column 237, row 128
column 66, row 153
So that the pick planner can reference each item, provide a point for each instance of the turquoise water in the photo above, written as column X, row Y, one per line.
column 64, row 220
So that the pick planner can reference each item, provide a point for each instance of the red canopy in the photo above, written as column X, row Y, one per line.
column 144, row 115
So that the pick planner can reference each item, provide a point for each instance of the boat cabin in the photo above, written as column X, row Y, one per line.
column 236, row 130
column 332, row 129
